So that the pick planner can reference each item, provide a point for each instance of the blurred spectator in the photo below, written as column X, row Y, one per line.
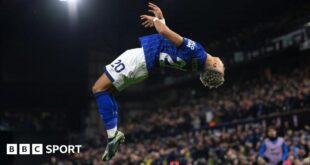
column 273, row 149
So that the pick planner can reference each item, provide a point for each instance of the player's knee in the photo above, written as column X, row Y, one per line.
column 98, row 88
column 102, row 84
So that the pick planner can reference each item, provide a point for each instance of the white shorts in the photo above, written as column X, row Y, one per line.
column 128, row 68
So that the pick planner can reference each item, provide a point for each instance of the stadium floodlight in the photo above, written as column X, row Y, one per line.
column 69, row 1
column 72, row 7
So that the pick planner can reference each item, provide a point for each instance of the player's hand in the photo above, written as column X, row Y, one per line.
column 156, row 10
column 147, row 21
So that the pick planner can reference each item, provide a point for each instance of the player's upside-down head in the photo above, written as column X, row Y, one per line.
column 212, row 75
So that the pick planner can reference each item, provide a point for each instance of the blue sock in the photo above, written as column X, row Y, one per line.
column 108, row 111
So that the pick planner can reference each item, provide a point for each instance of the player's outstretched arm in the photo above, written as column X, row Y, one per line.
column 159, row 23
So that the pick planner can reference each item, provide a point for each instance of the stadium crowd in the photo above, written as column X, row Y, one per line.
column 236, row 146
column 184, row 132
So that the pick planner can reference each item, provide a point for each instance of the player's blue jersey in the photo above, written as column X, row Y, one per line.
column 158, row 51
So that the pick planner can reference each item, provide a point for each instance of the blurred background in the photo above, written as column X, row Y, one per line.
column 52, row 51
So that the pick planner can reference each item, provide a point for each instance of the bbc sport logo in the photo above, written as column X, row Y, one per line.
column 40, row 149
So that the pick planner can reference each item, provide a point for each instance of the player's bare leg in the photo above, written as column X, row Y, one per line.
column 103, row 90
column 103, row 83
